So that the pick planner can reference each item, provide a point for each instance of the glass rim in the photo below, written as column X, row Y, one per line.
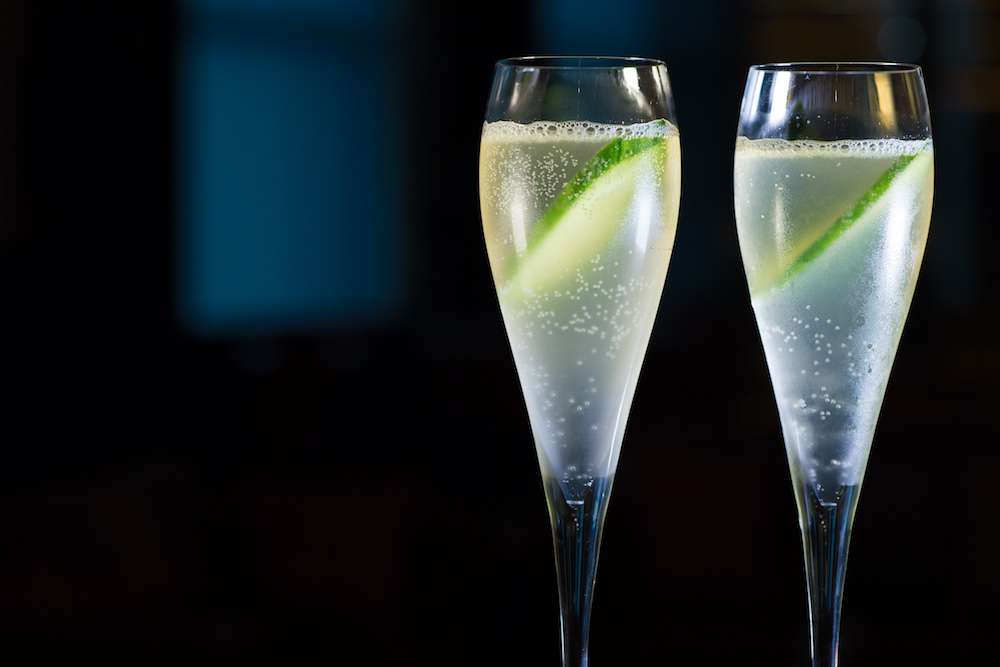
column 839, row 68
column 579, row 62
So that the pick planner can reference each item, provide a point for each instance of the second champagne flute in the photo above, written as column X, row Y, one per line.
column 834, row 176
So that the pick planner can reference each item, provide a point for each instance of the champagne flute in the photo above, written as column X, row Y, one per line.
column 579, row 185
column 834, row 178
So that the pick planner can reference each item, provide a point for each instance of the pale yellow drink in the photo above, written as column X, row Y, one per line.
column 832, row 234
column 579, row 220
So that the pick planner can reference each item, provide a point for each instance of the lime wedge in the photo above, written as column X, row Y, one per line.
column 867, row 208
column 584, row 217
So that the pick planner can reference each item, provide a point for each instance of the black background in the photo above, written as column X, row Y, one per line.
column 371, row 491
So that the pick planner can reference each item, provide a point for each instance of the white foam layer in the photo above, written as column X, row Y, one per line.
column 876, row 148
column 573, row 130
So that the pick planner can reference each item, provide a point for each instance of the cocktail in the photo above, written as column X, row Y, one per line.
column 579, row 183
column 834, row 177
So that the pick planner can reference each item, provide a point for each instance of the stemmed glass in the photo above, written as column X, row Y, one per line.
column 834, row 177
column 579, row 184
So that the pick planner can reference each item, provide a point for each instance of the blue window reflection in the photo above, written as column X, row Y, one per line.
column 596, row 26
column 288, row 147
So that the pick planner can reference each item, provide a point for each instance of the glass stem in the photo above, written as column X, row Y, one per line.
column 576, row 509
column 826, row 537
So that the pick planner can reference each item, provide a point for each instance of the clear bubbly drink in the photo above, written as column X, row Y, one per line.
column 832, row 234
column 579, row 221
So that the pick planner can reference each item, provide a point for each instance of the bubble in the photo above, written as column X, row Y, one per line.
column 545, row 130
column 873, row 148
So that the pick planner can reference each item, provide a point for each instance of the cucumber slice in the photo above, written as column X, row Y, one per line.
column 870, row 206
column 583, row 219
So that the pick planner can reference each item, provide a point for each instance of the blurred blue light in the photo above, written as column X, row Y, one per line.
column 288, row 216
column 335, row 11
column 596, row 27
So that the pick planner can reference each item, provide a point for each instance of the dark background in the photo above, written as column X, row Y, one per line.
column 258, row 399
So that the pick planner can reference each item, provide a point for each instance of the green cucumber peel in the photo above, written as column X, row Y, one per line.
column 846, row 220
column 614, row 153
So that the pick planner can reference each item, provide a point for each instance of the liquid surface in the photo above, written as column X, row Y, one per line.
column 578, row 304
column 831, row 307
